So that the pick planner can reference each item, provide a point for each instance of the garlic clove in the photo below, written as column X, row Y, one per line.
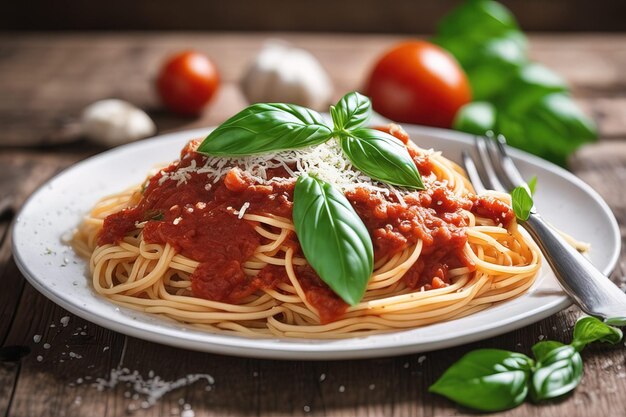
column 283, row 73
column 114, row 122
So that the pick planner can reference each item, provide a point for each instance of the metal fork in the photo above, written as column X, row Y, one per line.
column 591, row 290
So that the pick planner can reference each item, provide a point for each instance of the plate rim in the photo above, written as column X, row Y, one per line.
column 242, row 346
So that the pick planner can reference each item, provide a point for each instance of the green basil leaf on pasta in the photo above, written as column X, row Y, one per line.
column 558, row 373
column 266, row 127
column 382, row 157
column 590, row 329
column 351, row 112
column 486, row 380
column 334, row 240
column 522, row 203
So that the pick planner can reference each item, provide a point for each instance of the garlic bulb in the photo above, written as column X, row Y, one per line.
column 284, row 74
column 114, row 122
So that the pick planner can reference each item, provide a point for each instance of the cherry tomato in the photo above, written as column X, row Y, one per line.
column 187, row 82
column 418, row 82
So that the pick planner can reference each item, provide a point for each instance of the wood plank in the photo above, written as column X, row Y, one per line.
column 124, row 66
column 9, row 297
column 608, row 114
column 63, row 355
column 22, row 173
column 280, row 388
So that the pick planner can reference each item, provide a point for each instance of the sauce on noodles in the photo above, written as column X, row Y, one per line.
column 204, row 224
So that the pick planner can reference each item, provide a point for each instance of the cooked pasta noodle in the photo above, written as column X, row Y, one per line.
column 500, row 263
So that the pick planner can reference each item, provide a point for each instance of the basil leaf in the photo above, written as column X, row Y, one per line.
column 558, row 373
column 477, row 118
column 531, row 83
column 522, row 203
column 552, row 127
column 590, row 329
column 351, row 112
column 382, row 157
column 494, row 65
column 477, row 19
column 541, row 349
column 559, row 112
column 616, row 321
column 333, row 238
column 486, row 380
column 532, row 184
column 266, row 127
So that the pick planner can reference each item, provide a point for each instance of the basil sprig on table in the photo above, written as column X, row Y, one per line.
column 333, row 238
column 264, row 127
column 495, row 380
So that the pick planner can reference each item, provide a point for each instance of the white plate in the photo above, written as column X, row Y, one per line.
column 58, row 206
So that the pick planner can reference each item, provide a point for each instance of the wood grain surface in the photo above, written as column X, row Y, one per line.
column 50, row 369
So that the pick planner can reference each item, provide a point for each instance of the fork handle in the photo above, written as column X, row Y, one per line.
column 594, row 293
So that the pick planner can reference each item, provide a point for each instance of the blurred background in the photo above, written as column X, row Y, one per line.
column 59, row 57
column 364, row 16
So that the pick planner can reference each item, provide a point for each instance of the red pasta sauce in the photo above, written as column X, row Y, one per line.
column 199, row 219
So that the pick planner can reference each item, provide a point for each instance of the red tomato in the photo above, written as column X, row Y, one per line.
column 187, row 82
column 418, row 82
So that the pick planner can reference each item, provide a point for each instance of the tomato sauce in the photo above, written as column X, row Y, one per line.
column 199, row 218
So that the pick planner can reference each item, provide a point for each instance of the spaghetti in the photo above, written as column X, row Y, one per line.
column 210, row 242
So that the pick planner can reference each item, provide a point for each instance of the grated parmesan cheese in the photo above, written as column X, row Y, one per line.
column 243, row 209
column 181, row 175
column 327, row 161
column 151, row 389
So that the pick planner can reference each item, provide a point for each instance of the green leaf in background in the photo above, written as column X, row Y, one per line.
column 477, row 19
column 522, row 203
column 333, row 238
column 486, row 380
column 532, row 107
column 530, row 84
column 351, row 112
column 541, row 349
column 494, row 65
column 477, row 118
column 488, row 63
column 553, row 127
column 559, row 113
column 590, row 329
column 382, row 157
column 558, row 373
column 266, row 127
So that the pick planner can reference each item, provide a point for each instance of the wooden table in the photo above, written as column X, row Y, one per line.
column 48, row 369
